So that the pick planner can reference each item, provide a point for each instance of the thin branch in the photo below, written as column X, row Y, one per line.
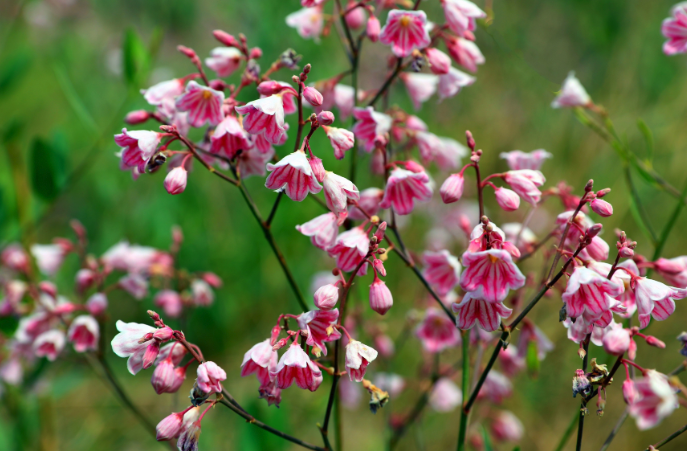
column 669, row 438
column 615, row 430
column 387, row 82
column 568, row 432
column 583, row 408
column 274, row 208
column 466, row 381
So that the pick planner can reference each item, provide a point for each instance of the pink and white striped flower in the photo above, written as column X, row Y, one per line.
column 265, row 117
column 322, row 230
column 326, row 296
column 337, row 191
column 49, row 344
column 137, row 148
column 675, row 29
column 465, row 53
column 381, row 299
column 437, row 332
column 452, row 82
column 507, row 199
column 655, row 299
column 442, row 271
column 224, row 60
column 341, row 139
column 49, row 257
column 166, row 377
column 350, row 248
column 252, row 161
column 295, row 366
column 319, row 324
column 487, row 315
column 673, row 270
column 517, row 159
column 589, row 294
column 525, row 182
column 165, row 90
column 655, row 400
column 572, row 94
column 371, row 126
column 84, row 332
column 489, row 274
column 228, row 138
column 403, row 188
column 204, row 104
column 308, row 22
column 405, row 31
column 126, row 344
column 293, row 174
column 420, row 87
column 260, row 360
column 358, row 356
column 439, row 62
column 210, row 377
column 461, row 15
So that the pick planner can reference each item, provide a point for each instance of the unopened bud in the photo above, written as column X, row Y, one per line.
column 379, row 266
column 163, row 334
column 154, row 316
column 588, row 187
column 276, row 330
column 653, row 341
column 594, row 230
column 470, row 140
column 137, row 117
column 188, row 52
column 255, row 53
column 225, row 38
column 218, row 85
column 151, row 353
column 325, row 118
column 280, row 344
column 317, row 168
column 626, row 252
column 601, row 193
column 581, row 352
column 379, row 233
column 306, row 68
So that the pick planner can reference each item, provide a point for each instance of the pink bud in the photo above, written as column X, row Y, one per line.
column 312, row 96
column 626, row 252
column 632, row 352
column 268, row 88
column 594, row 230
column 470, row 139
column 163, row 334
column 414, row 166
column 507, row 199
column 255, row 53
column 225, row 38
column 616, row 341
column 373, row 28
column 653, row 341
column 452, row 188
column 151, row 353
column 629, row 391
column 218, row 85
column 188, row 52
column 356, row 17
column 175, row 182
column 169, row 427
column 210, row 376
column 379, row 266
column 380, row 296
column 601, row 208
column 166, row 378
column 137, row 117
column 48, row 288
column 276, row 330
column 280, row 344
column 212, row 279
column 84, row 279
column 96, row 304
column 379, row 233
column 439, row 62
column 325, row 118
column 317, row 168
column 327, row 296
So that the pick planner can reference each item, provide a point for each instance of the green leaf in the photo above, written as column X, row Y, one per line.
column 13, row 70
column 73, row 98
column 136, row 59
column 648, row 137
column 487, row 440
column 47, row 169
column 517, row 448
column 532, row 359
column 646, row 175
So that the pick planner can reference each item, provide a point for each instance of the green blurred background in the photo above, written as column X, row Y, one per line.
column 61, row 83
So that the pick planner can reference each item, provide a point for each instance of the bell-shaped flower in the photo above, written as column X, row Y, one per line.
column 380, row 296
column 137, row 148
column 655, row 400
column 270, row 393
column 167, row 378
column 322, row 230
column 405, row 31
column 260, row 360
column 442, row 271
column 572, row 94
column 204, row 104
column 461, row 15
column 176, row 180
column 337, row 191
column 517, row 159
column 445, row 396
column 126, row 343
column 506, row 427
column 371, row 126
column 589, row 294
column 228, row 138
column 251, row 162
column 308, row 22
column 370, row 199
column 319, row 324
column 655, row 299
column 293, row 174
column 437, row 332
column 49, row 344
column 265, row 117
column 525, row 183
column 350, row 248
column 617, row 340
column 210, row 377
column 84, row 332
column 224, row 60
column 490, row 274
column 452, row 82
column 341, row 139
column 487, row 315
column 507, row 199
column 420, row 87
column 464, row 52
column 295, row 366
column 675, row 29
column 439, row 62
column 673, row 270
column 403, row 188
column 170, row 426
column 358, row 356
column 164, row 91
column 452, row 188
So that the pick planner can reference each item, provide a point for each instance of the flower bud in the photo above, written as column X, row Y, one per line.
column 188, row 52
column 507, row 199
column 601, row 208
column 312, row 96
column 151, row 353
column 594, row 230
column 327, row 296
column 653, row 341
column 629, row 391
column 48, row 288
column 218, row 85
column 626, row 252
column 379, row 233
column 84, row 279
column 470, row 140
column 380, row 296
column 166, row 378
column 225, row 38
column 377, row 162
column 373, row 28
column 414, row 166
column 325, row 118
column 96, row 304
column 137, row 117
column 355, row 17
column 169, row 427
column 175, row 182
column 616, row 341
column 255, row 53
column 212, row 279
column 317, row 168
column 452, row 188
column 276, row 330
column 439, row 62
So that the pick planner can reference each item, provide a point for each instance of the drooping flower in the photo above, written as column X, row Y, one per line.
column 176, row 180
column 319, row 324
column 525, row 183
column 252, row 161
column 134, row 284
column 358, row 356
column 439, row 62
column 326, row 296
column 210, row 377
column 337, row 191
column 437, row 332
column 49, row 344
column 295, row 366
column 344, row 100
column 293, row 174
column 673, row 270
column 655, row 400
column 190, row 431
column 270, row 393
column 170, row 302
column 322, row 230
column 507, row 199
column 589, row 294
column 489, row 274
column 167, row 378
column 224, row 60
column 442, row 271
column 201, row 292
column 655, row 299
column 265, row 117
column 452, row 188
column 49, row 257
column 204, row 104
column 137, row 148
column 350, row 248
column 601, row 207
column 370, row 199
column 380, row 296
column 446, row 396
column 405, row 31
column 228, row 138
column 517, row 159
column 420, row 87
column 403, row 188
column 260, row 360
column 428, row 144
column 451, row 83
column 84, row 333
column 126, row 343
column 506, row 427
column 464, row 52
column 461, row 15
column 617, row 340
column 486, row 314
column 572, row 94
column 165, row 90
column 308, row 22
column 675, row 29
column 170, row 426
column 341, row 139
column 371, row 126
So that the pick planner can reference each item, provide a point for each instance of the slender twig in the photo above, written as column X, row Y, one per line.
column 641, row 211
column 669, row 438
column 615, row 430
column 565, row 234
column 207, row 165
column 466, row 381
column 537, row 246
column 568, row 432
column 665, row 233
column 274, row 208
column 387, row 82
column 583, row 408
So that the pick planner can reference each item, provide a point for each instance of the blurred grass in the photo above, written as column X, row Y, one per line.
column 613, row 45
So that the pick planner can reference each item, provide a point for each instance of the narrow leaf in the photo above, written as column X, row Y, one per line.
column 135, row 59
column 487, row 440
column 532, row 359
column 73, row 98
column 46, row 169
column 13, row 69
column 648, row 137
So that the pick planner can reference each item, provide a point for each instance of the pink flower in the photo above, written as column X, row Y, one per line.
column 507, row 199
column 405, row 31
column 49, row 344
column 170, row 302
column 517, row 159
column 14, row 257
column 163, row 91
column 260, row 360
column 428, row 144
column 166, row 377
column 655, row 400
column 210, row 376
column 202, row 293
column 134, row 284
column 356, row 17
column 673, row 270
column 137, row 147
column 295, row 365
column 447, row 156
column 402, row 189
column 202, row 103
column 420, row 87
column 190, row 431
column 437, row 332
column 322, row 230
column 465, row 53
column 270, row 393
column 285, row 90
column 452, row 188
column 490, row 274
column 320, row 327
column 84, row 333
column 506, row 427
column 572, row 94
column 312, row 96
column 439, row 62
column 126, row 344
column 49, row 257
column 373, row 28
column 486, row 314
column 497, row 387
column 169, row 427
column 371, row 126
column 525, row 183
column 265, row 117
column 224, row 60
column 96, row 304
column 451, row 83
column 380, row 296
column 461, row 15
column 350, row 248
column 370, row 199
column 344, row 100
column 675, row 29
column 337, row 191
column 442, row 271
column 293, row 174
column 327, row 296
column 655, row 299
column 228, row 138
column 308, row 22
column 601, row 207
column 617, row 340
column 358, row 356
column 341, row 139
column 252, row 161
column 446, row 396
column 175, row 181
column 589, row 294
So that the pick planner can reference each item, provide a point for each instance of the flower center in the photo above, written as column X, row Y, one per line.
column 207, row 95
column 493, row 258
column 405, row 21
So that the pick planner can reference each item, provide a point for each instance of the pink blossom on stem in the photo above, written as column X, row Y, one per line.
column 403, row 188
column 439, row 62
column 655, row 299
column 617, row 340
column 271, row 393
column 589, row 294
column 373, row 28
column 350, row 248
column 325, row 118
column 655, row 400
column 252, row 161
column 134, row 284
column 312, row 96
column 165, row 90
column 380, row 296
column 137, row 147
column 675, row 29
column 490, row 274
column 461, row 15
column 420, row 87
column 260, row 360
column 517, row 159
column 452, row 188
column 202, row 293
column 371, row 126
column 487, row 315
column 204, row 105
column 405, row 31
column 445, row 396
column 507, row 199
column 370, row 199
column 327, row 296
column 451, row 83
column 170, row 426
column 601, row 207
column 673, row 270
column 319, row 325
column 167, row 378
column 308, row 22
column 356, row 17
column 49, row 344
column 358, row 356
column 228, row 138
column 265, row 117
column 337, row 191
column 341, row 139
column 572, row 94
column 322, row 230
column 224, row 60
column 84, row 333
column 464, row 52
column 442, row 271
column 293, row 174
column 295, row 366
column 126, row 343
column 506, row 427
column 496, row 388
column 170, row 302
column 209, row 377
column 525, row 182
column 437, row 332
column 96, row 304
column 175, row 181
column 14, row 257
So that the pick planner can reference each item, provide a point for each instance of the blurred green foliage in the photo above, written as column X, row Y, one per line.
column 66, row 82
